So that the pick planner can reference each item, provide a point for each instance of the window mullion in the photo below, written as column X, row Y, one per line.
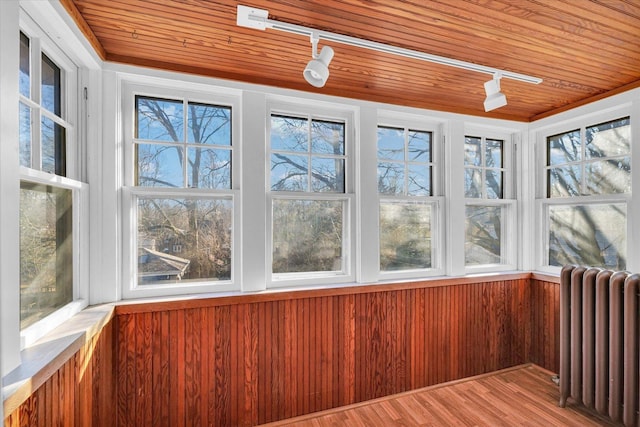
column 309, row 155
column 583, row 160
column 405, row 150
column 36, row 97
column 184, row 145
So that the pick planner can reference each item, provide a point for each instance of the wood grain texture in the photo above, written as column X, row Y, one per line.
column 255, row 359
column 249, row 363
column 520, row 396
column 80, row 393
column 544, row 349
column 584, row 50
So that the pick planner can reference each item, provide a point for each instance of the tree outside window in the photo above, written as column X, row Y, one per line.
column 182, row 148
column 46, row 210
column 307, row 179
column 484, row 177
column 405, row 170
column 583, row 165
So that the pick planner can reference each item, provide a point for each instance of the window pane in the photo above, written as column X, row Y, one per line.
column 473, row 183
column 419, row 146
column 494, row 184
column 419, row 180
column 159, row 166
column 327, row 137
column 594, row 235
column 405, row 236
column 25, row 135
column 46, row 251
column 483, row 231
column 53, row 147
column 391, row 178
column 564, row 148
column 327, row 175
column 472, row 151
column 25, row 66
column 159, row 119
column 209, row 168
column 609, row 176
column 390, row 143
column 184, row 240
column 609, row 139
column 289, row 173
column 564, row 182
column 209, row 124
column 493, row 156
column 307, row 236
column 289, row 134
column 51, row 99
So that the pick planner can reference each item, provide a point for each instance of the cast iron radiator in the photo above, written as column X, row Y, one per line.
column 599, row 341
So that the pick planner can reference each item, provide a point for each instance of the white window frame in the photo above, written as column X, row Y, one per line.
column 283, row 107
column 158, row 88
column 508, row 235
column 435, row 200
column 543, row 202
column 40, row 43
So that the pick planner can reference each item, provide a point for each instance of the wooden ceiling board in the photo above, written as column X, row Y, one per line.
column 583, row 49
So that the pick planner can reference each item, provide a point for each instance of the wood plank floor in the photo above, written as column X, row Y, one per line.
column 521, row 396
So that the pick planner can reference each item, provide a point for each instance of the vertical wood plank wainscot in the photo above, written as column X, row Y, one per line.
column 252, row 359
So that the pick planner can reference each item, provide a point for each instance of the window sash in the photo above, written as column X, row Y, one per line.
column 345, row 273
column 508, row 236
column 63, row 159
column 132, row 288
column 303, row 166
column 46, row 250
column 587, row 202
column 80, row 227
column 191, row 157
column 409, row 244
column 60, row 168
column 403, row 168
column 582, row 162
column 133, row 192
column 173, row 227
column 483, row 170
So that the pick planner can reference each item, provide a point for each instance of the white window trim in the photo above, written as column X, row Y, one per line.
column 9, row 188
column 131, row 87
column 542, row 206
column 580, row 123
column 80, row 244
column 315, row 278
column 508, row 236
column 509, row 243
column 437, row 202
column 319, row 111
column 542, row 201
column 40, row 42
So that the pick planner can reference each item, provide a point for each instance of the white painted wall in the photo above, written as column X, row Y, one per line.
column 9, row 187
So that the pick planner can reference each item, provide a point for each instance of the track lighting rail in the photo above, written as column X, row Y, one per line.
column 259, row 19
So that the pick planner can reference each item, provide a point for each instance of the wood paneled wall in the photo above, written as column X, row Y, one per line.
column 239, row 362
column 545, row 323
column 257, row 358
column 80, row 393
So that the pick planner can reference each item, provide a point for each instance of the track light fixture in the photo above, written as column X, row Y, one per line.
column 317, row 72
column 495, row 98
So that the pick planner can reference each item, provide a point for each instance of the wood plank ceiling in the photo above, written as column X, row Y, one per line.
column 583, row 49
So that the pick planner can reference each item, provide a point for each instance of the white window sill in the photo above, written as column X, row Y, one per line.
column 48, row 354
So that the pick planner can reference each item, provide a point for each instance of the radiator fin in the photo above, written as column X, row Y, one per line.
column 599, row 325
